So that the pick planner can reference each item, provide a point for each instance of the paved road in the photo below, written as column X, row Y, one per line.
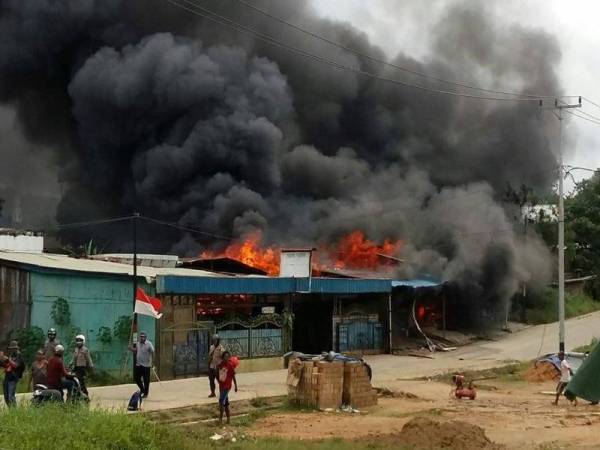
column 523, row 345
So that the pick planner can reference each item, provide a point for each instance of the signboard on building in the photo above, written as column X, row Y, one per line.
column 295, row 263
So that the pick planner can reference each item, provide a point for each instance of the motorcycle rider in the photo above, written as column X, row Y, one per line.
column 51, row 343
column 82, row 361
column 57, row 376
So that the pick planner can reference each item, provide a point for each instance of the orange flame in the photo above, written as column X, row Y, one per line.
column 250, row 252
column 354, row 251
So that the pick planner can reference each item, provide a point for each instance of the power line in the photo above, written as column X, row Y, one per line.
column 95, row 222
column 214, row 17
column 390, row 64
column 590, row 101
column 188, row 229
column 595, row 122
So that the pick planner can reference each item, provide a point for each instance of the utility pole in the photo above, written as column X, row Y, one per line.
column 558, row 112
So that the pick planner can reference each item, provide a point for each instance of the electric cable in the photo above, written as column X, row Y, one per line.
column 217, row 18
column 390, row 64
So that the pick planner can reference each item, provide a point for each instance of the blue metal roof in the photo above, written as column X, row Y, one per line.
column 170, row 284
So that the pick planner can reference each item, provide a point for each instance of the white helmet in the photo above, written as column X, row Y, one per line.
column 80, row 337
column 59, row 349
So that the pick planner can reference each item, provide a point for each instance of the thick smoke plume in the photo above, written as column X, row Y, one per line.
column 146, row 107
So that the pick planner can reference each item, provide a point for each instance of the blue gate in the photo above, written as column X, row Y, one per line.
column 189, row 343
column 262, row 336
column 359, row 335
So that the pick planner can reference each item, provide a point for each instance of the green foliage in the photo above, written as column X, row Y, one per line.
column 122, row 329
column 582, row 223
column 81, row 428
column 61, row 312
column 104, row 335
column 30, row 341
column 71, row 427
column 103, row 378
column 542, row 307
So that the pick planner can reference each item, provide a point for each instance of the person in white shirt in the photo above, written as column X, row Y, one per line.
column 565, row 377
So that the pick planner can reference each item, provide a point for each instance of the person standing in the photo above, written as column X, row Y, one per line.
column 144, row 351
column 38, row 369
column 51, row 344
column 57, row 376
column 214, row 359
column 226, row 377
column 13, row 371
column 565, row 377
column 82, row 361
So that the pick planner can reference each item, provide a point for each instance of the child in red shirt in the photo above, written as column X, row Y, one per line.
column 226, row 376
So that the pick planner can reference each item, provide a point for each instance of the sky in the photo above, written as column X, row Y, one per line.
column 402, row 26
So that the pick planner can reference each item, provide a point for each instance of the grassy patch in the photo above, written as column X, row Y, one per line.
column 510, row 372
column 543, row 307
column 78, row 428
column 588, row 347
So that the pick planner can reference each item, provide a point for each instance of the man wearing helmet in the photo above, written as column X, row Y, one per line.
column 56, row 374
column 51, row 343
column 82, row 361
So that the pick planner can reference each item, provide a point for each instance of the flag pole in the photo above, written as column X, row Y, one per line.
column 134, row 319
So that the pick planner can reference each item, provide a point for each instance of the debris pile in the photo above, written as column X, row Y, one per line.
column 357, row 386
column 329, row 385
column 541, row 371
column 425, row 433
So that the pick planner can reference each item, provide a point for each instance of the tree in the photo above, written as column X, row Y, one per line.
column 582, row 226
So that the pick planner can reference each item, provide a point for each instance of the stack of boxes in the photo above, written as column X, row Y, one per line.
column 326, row 385
column 358, row 392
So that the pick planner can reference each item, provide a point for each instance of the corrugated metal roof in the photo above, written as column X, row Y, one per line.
column 267, row 285
column 54, row 262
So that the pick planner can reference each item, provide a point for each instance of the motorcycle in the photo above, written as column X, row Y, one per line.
column 42, row 394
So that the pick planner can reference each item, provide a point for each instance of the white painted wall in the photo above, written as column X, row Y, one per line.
column 21, row 243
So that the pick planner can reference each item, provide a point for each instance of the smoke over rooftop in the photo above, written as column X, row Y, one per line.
column 146, row 107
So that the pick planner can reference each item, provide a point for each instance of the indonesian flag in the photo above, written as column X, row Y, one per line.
column 146, row 305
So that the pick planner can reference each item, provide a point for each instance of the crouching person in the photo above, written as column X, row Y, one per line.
column 82, row 362
column 226, row 377
column 57, row 375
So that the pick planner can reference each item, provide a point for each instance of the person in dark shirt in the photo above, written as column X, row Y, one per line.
column 56, row 374
column 13, row 371
column 38, row 369
column 226, row 377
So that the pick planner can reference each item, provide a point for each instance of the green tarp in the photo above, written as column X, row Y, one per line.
column 586, row 381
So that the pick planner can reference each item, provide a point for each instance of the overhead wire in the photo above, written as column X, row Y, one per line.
column 200, row 11
column 595, row 122
column 95, row 222
column 390, row 64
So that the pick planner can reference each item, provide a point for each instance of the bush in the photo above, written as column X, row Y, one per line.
column 542, row 307
column 30, row 341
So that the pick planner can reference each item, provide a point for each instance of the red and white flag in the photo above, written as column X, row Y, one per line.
column 146, row 305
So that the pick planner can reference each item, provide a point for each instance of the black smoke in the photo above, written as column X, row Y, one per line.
column 147, row 107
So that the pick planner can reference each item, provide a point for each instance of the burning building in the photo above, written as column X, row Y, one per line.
column 182, row 119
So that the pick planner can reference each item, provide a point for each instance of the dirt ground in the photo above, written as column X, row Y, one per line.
column 513, row 414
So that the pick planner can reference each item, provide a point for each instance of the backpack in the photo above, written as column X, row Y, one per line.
column 135, row 402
